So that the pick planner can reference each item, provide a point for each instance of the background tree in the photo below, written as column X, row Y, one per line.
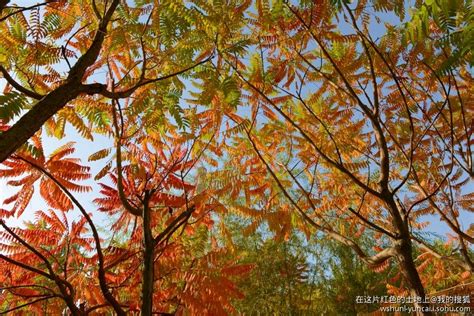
column 296, row 276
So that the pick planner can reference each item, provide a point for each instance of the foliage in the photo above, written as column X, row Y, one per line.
column 296, row 276
column 447, row 25
column 244, row 152
column 350, row 135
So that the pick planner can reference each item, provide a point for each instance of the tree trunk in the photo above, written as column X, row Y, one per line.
column 410, row 274
column 404, row 255
column 148, row 273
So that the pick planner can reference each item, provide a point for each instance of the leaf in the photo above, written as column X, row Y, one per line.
column 11, row 105
column 99, row 154
column 103, row 172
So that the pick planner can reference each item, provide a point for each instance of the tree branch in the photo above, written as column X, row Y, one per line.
column 61, row 283
column 435, row 254
column 375, row 260
column 102, row 281
column 118, row 157
column 371, row 224
column 44, row 298
column 18, row 86
column 330, row 161
column 381, row 141
column 99, row 88
column 3, row 4
column 174, row 225
column 55, row 100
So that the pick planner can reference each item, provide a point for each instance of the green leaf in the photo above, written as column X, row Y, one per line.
column 11, row 105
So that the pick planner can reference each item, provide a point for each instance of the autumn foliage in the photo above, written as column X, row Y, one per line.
column 331, row 138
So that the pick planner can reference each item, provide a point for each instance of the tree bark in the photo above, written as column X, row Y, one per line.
column 50, row 104
column 32, row 121
column 148, row 269
column 404, row 254
column 410, row 274
column 3, row 4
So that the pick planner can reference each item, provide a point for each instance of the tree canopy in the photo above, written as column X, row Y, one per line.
column 244, row 156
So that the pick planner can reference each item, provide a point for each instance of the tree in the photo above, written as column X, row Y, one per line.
column 350, row 127
column 143, row 50
column 39, row 50
column 312, row 117
column 278, row 281
column 296, row 276
column 52, row 259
